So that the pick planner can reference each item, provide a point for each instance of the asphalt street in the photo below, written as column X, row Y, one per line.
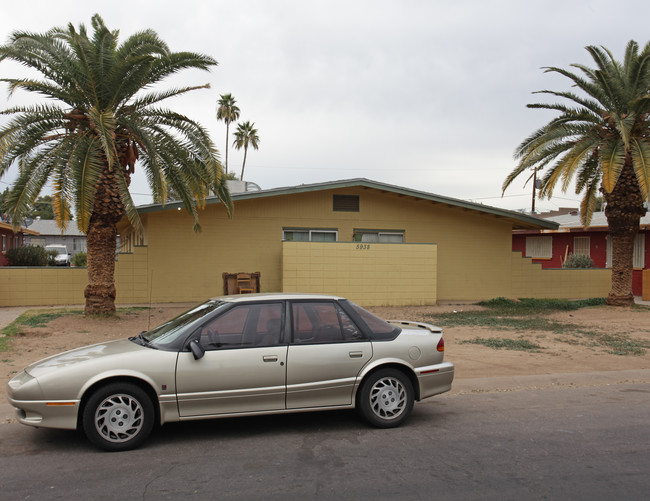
column 552, row 442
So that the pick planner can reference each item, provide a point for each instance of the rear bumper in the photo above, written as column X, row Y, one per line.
column 435, row 379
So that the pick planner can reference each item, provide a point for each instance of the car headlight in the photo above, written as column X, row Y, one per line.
column 24, row 387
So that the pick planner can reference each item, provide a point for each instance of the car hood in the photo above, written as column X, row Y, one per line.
column 82, row 355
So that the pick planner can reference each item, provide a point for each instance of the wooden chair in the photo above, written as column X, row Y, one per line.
column 245, row 283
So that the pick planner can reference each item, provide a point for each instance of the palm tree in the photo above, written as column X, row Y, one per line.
column 602, row 138
column 101, row 117
column 246, row 135
column 228, row 112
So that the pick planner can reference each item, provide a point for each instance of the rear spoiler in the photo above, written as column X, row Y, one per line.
column 416, row 325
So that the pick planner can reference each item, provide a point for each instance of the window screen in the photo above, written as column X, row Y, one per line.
column 540, row 247
column 581, row 246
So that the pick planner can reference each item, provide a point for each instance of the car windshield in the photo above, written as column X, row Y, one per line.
column 381, row 330
column 171, row 334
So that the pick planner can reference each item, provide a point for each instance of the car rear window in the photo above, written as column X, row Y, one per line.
column 379, row 328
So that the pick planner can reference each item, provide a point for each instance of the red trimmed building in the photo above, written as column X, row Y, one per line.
column 10, row 238
column 551, row 247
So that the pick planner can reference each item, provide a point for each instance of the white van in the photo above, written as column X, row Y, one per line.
column 63, row 257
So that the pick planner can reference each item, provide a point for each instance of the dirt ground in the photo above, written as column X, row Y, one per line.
column 472, row 361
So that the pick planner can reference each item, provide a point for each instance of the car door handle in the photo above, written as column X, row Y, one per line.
column 270, row 358
column 356, row 354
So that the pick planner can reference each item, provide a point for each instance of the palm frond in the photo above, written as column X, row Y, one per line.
column 640, row 153
column 612, row 160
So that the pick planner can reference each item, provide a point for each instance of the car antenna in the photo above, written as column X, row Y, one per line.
column 150, row 293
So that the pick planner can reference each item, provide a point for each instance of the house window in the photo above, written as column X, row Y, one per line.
column 345, row 203
column 381, row 236
column 4, row 243
column 539, row 247
column 309, row 235
column 638, row 259
column 581, row 246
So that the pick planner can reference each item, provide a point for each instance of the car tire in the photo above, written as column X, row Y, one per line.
column 386, row 398
column 118, row 417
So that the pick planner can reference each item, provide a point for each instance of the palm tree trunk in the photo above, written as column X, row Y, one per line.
column 101, row 242
column 227, row 127
column 243, row 164
column 623, row 211
column 100, row 291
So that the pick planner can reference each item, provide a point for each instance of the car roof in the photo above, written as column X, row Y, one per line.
column 274, row 296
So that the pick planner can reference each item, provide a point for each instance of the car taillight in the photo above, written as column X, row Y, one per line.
column 441, row 344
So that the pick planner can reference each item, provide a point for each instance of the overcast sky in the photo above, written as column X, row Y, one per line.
column 429, row 95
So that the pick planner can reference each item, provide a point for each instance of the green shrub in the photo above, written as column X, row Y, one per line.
column 578, row 261
column 28, row 255
column 51, row 257
column 79, row 259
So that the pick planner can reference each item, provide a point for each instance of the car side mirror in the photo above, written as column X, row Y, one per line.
column 197, row 349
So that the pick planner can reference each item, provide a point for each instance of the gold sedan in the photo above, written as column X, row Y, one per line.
column 234, row 356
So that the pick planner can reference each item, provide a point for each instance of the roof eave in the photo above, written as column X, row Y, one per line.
column 520, row 221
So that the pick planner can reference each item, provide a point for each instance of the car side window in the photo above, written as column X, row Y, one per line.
column 322, row 322
column 244, row 326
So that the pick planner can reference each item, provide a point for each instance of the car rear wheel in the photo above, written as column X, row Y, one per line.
column 118, row 417
column 386, row 398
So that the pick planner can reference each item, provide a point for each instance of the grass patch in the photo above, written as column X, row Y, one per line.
column 620, row 344
column 31, row 318
column 519, row 344
column 489, row 320
column 526, row 315
column 40, row 318
column 526, row 306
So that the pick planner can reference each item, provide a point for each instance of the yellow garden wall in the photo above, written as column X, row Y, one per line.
column 369, row 274
column 530, row 280
column 42, row 286
column 47, row 286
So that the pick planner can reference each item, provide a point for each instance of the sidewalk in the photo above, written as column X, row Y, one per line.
column 10, row 313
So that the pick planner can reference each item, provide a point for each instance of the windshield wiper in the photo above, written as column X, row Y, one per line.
column 141, row 339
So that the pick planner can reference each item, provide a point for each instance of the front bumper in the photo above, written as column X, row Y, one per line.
column 47, row 414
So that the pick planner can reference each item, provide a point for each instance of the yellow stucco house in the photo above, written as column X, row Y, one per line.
column 374, row 243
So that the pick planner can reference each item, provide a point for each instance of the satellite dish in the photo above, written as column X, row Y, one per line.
column 28, row 221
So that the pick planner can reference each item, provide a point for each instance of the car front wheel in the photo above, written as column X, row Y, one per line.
column 118, row 417
column 386, row 398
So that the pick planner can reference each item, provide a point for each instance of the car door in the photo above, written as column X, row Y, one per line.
column 326, row 354
column 244, row 366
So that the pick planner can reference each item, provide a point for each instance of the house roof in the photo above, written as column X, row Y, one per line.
column 50, row 227
column 519, row 220
column 8, row 226
column 568, row 222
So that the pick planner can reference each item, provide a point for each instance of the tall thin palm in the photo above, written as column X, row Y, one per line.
column 101, row 117
column 245, row 136
column 228, row 112
column 602, row 139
